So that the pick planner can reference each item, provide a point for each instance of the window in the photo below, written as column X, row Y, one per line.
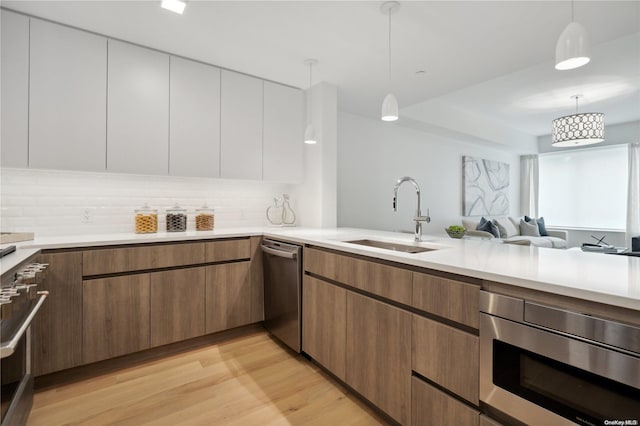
column 585, row 188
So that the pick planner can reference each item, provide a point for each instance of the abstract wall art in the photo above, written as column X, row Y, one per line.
column 486, row 187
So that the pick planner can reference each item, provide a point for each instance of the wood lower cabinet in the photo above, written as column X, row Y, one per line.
column 447, row 356
column 378, row 362
column 382, row 280
column 488, row 421
column 448, row 298
column 129, row 259
column 115, row 316
column 57, row 329
column 324, row 325
column 431, row 407
column 227, row 296
column 177, row 305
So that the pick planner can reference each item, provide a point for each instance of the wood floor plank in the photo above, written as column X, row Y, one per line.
column 247, row 380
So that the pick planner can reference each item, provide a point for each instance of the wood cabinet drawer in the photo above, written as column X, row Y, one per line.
column 447, row 298
column 447, row 356
column 124, row 259
column 386, row 281
column 431, row 406
column 219, row 251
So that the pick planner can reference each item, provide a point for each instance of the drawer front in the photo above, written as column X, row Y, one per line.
column 431, row 406
column 447, row 356
column 220, row 251
column 382, row 280
column 451, row 299
column 125, row 259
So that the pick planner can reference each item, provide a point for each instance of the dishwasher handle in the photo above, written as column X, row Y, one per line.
column 279, row 253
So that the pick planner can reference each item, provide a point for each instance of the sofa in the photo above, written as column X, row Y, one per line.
column 510, row 233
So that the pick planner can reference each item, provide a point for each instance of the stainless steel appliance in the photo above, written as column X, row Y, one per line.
column 282, row 286
column 19, row 304
column 545, row 366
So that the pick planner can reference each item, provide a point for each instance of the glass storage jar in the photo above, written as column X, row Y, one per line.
column 176, row 219
column 204, row 219
column 146, row 220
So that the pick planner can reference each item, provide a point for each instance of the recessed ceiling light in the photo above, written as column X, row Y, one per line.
column 176, row 6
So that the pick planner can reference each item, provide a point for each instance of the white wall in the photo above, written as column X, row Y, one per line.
column 55, row 202
column 372, row 155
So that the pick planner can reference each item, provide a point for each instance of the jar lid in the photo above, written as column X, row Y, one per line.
column 176, row 209
column 146, row 209
column 205, row 209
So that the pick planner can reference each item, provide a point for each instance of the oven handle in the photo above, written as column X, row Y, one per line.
column 9, row 348
column 280, row 253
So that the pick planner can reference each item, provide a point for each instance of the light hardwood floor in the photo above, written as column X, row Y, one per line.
column 248, row 380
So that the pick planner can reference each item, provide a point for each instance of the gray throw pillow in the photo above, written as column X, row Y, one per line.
column 529, row 229
column 501, row 229
column 488, row 226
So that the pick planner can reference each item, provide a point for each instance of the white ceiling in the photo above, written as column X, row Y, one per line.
column 492, row 58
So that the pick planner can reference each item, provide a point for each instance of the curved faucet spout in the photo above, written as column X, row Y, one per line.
column 419, row 218
column 395, row 192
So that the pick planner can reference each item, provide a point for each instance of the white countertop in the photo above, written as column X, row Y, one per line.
column 603, row 278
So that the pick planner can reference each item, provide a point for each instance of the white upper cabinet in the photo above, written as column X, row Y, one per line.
column 14, row 73
column 68, row 98
column 137, row 110
column 283, row 138
column 194, row 141
column 241, row 126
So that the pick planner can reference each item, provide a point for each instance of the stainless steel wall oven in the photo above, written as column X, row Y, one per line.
column 542, row 365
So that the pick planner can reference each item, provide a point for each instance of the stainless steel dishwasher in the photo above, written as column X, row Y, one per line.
column 282, row 286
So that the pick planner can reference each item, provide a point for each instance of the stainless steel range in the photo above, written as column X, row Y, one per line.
column 19, row 303
column 541, row 365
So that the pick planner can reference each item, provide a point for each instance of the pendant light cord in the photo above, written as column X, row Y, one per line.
column 572, row 18
column 389, row 48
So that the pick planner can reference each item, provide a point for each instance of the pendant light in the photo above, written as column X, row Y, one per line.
column 578, row 129
column 310, row 132
column 176, row 6
column 572, row 49
column 390, row 110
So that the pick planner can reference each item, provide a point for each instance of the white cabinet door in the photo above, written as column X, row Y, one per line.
column 241, row 126
column 194, row 141
column 67, row 98
column 14, row 72
column 137, row 110
column 282, row 147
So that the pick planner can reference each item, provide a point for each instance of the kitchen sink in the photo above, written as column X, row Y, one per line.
column 391, row 246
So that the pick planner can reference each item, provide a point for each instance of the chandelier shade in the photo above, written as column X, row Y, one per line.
column 578, row 129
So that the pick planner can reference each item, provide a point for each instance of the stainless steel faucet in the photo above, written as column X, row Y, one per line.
column 419, row 219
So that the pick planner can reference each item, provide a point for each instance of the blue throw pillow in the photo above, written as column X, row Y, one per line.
column 541, row 226
column 488, row 226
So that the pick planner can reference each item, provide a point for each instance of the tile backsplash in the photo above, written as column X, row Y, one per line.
column 50, row 202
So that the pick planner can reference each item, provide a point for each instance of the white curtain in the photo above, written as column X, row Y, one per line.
column 529, row 185
column 633, row 198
